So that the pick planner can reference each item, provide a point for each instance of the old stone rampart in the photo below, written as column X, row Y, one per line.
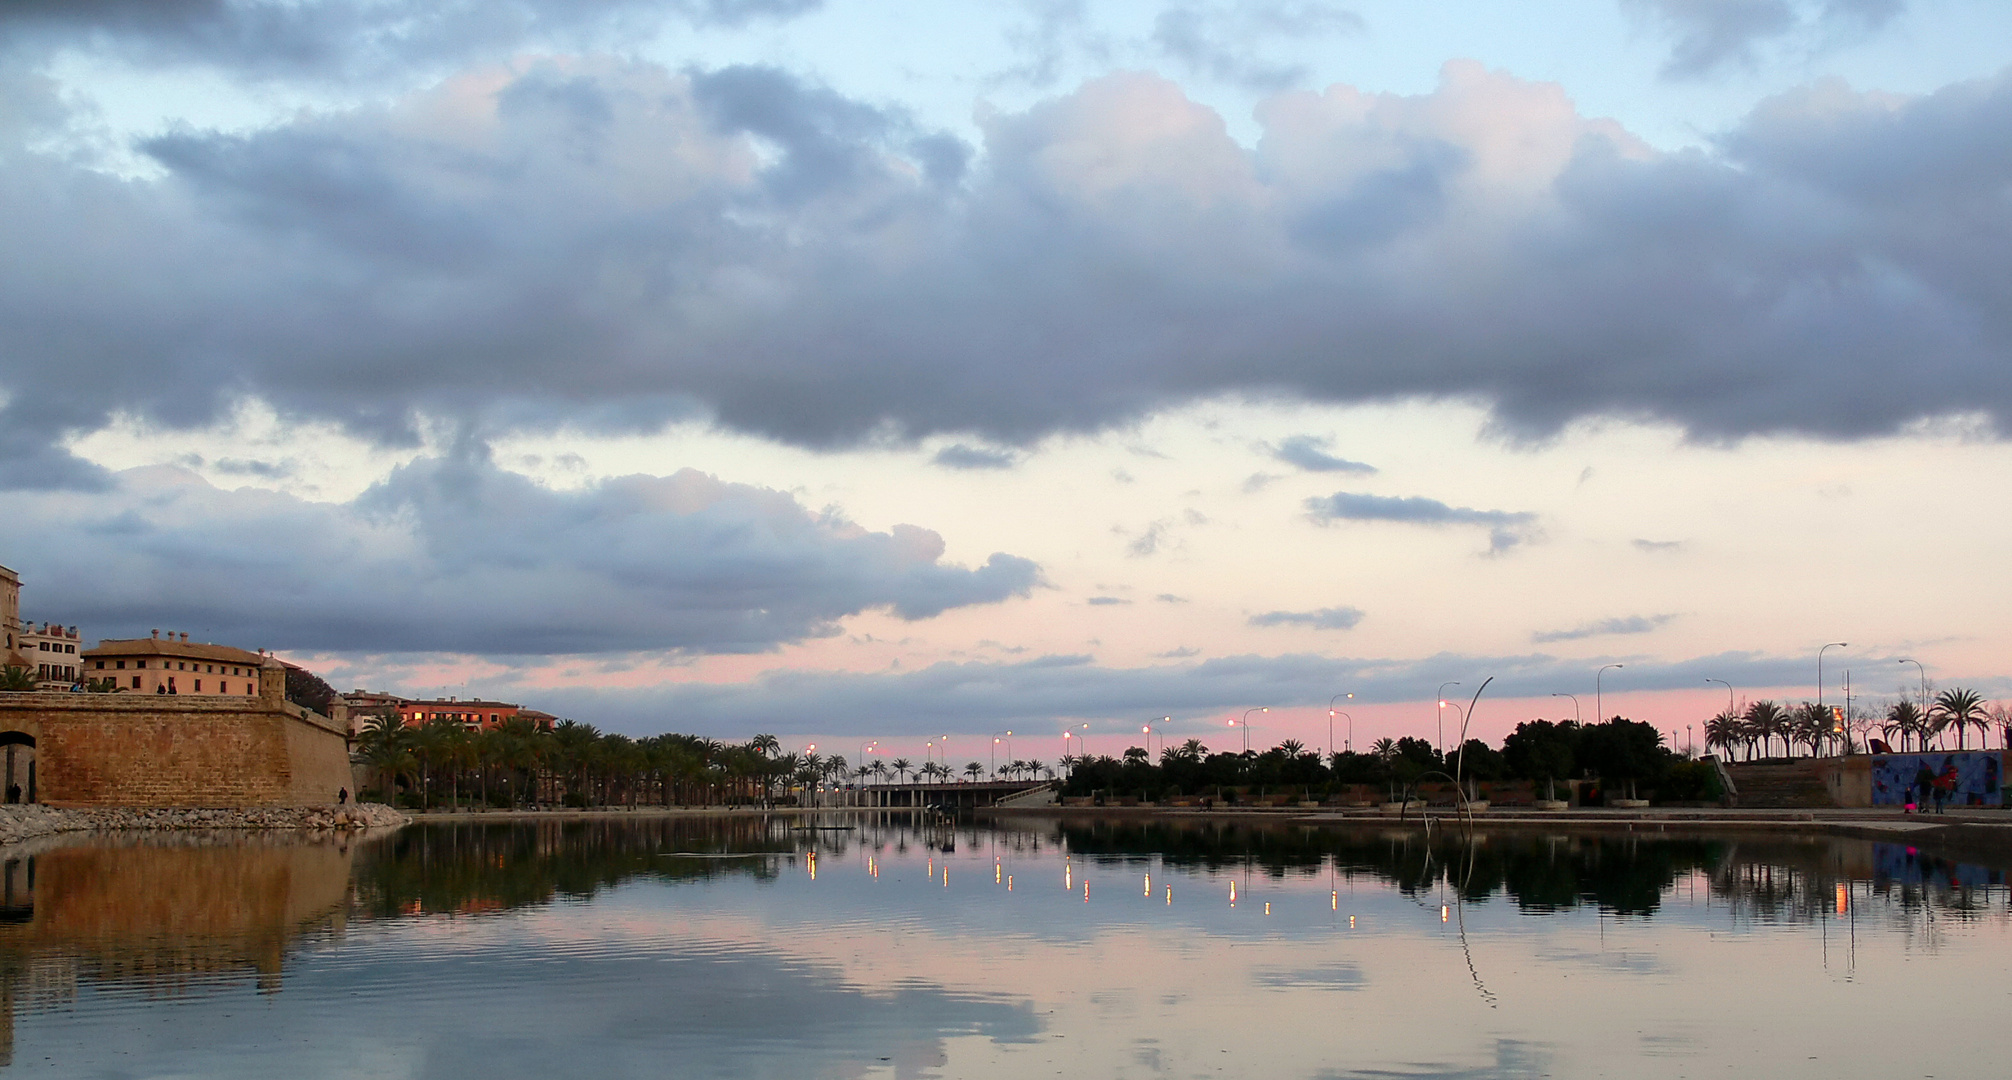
column 107, row 750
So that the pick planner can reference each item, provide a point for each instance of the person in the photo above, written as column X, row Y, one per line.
column 342, row 797
column 1945, row 786
column 1924, row 785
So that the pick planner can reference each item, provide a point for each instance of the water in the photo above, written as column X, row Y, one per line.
column 627, row 948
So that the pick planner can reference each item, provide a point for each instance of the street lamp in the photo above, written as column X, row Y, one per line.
column 996, row 740
column 1729, row 693
column 1575, row 704
column 1455, row 706
column 1924, row 682
column 1439, row 714
column 1148, row 729
column 1819, row 669
column 1247, row 725
column 1330, row 724
column 1599, row 700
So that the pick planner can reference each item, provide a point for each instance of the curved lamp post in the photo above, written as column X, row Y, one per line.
column 1575, row 704
column 1819, row 668
column 1245, row 723
column 1330, row 724
column 1599, row 699
column 997, row 738
column 1729, row 693
column 1439, row 713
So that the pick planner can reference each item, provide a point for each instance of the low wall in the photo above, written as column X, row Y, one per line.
column 159, row 750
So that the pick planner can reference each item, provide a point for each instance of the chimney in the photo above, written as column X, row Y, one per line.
column 185, row 637
column 157, row 635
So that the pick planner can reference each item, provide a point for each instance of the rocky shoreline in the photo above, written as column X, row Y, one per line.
column 18, row 823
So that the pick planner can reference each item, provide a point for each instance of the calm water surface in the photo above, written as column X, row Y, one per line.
column 751, row 948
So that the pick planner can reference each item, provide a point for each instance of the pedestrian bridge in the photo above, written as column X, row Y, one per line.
column 947, row 796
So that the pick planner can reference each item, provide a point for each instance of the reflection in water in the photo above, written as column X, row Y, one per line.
column 748, row 946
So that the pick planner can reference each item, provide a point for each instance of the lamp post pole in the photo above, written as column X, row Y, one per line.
column 996, row 739
column 1924, row 683
column 1148, row 728
column 1599, row 699
column 1819, row 669
column 1439, row 712
column 1455, row 706
column 1729, row 693
column 1575, row 704
column 1330, row 724
column 1246, row 725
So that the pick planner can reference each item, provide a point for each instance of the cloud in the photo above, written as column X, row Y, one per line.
column 1170, row 598
column 1181, row 653
column 960, row 456
column 1710, row 35
column 610, row 246
column 1106, row 601
column 453, row 555
column 1227, row 42
column 1506, row 528
column 977, row 697
column 1310, row 453
column 1631, row 624
column 1657, row 547
column 347, row 39
column 1334, row 618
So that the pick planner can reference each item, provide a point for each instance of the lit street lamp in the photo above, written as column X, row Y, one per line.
column 996, row 740
column 1246, row 722
column 1330, row 724
column 1439, row 714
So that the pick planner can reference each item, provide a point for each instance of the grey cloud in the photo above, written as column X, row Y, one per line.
column 1106, row 601
column 1709, row 35
column 1181, row 653
column 451, row 554
column 977, row 697
column 960, row 456
column 1506, row 528
column 1170, row 598
column 341, row 39
column 1310, row 453
column 1630, row 624
column 1657, row 547
column 612, row 246
column 1334, row 618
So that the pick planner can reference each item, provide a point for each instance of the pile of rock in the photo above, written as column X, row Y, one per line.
column 19, row 823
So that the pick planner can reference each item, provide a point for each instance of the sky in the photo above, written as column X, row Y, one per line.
column 894, row 371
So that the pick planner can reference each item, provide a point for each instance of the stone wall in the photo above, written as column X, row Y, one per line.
column 160, row 750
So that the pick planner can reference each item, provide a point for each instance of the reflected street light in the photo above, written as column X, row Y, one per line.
column 1575, row 705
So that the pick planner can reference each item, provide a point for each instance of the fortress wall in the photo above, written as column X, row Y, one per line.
column 156, row 750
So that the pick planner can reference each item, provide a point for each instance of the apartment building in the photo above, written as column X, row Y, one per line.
column 174, row 665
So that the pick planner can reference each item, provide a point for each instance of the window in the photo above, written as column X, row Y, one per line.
column 71, row 649
column 136, row 681
column 199, row 686
column 121, row 663
column 101, row 665
column 139, row 663
column 171, row 685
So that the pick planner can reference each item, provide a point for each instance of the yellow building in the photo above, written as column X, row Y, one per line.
column 10, row 621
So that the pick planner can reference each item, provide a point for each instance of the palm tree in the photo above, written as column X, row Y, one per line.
column 1765, row 720
column 1038, row 767
column 386, row 745
column 19, row 679
column 1902, row 720
column 1960, row 709
column 901, row 766
column 765, row 745
column 1384, row 749
column 1811, row 725
column 973, row 770
column 1292, row 747
column 1723, row 731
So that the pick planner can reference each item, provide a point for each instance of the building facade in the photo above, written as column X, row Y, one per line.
column 475, row 714
column 52, row 655
column 174, row 665
column 10, row 621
